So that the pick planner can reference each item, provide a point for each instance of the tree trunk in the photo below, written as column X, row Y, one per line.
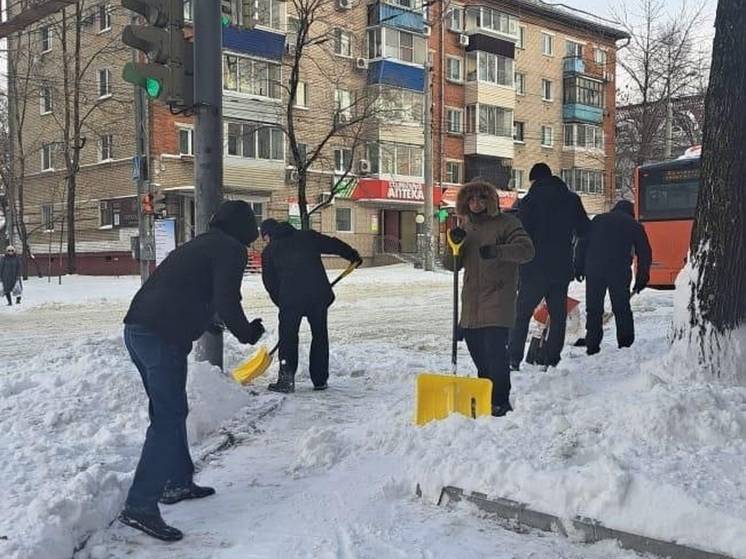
column 716, row 275
column 305, row 220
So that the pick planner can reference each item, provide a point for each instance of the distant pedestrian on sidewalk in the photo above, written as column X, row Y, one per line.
column 294, row 276
column 171, row 310
column 553, row 217
column 10, row 275
column 495, row 244
column 604, row 260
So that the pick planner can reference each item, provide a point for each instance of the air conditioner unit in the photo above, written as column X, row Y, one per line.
column 363, row 166
column 291, row 175
column 361, row 63
column 344, row 4
column 463, row 40
column 427, row 31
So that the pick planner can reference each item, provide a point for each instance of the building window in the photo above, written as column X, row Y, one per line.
column 45, row 99
column 388, row 158
column 302, row 151
column 187, row 10
column 186, row 141
column 488, row 18
column 342, row 160
column 454, row 172
column 585, row 181
column 520, row 83
column 301, row 95
column 343, row 105
column 454, row 69
column 47, row 217
column 494, row 121
column 583, row 91
column 342, row 43
column 256, row 141
column 584, row 136
column 600, row 56
column 547, row 136
column 251, row 77
column 399, row 44
column 267, row 13
column 456, row 19
column 104, row 83
column 492, row 68
column 547, row 44
column 517, row 179
column 105, row 214
column 106, row 147
column 343, row 220
column 454, row 121
column 400, row 105
column 546, row 90
column 104, row 18
column 573, row 49
column 47, row 163
column 521, row 42
column 45, row 38
column 519, row 130
column 258, row 208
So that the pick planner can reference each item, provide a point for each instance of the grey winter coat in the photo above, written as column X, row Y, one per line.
column 10, row 271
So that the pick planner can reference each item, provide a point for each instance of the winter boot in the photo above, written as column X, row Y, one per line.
column 150, row 523
column 592, row 350
column 501, row 410
column 18, row 300
column 173, row 495
column 285, row 381
column 319, row 387
column 515, row 365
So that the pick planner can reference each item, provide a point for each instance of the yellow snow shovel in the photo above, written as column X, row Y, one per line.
column 256, row 365
column 438, row 396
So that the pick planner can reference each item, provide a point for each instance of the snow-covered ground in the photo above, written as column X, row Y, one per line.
column 333, row 474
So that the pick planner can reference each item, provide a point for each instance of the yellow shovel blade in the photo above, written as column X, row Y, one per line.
column 253, row 367
column 438, row 396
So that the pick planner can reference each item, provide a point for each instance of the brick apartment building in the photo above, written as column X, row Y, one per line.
column 514, row 82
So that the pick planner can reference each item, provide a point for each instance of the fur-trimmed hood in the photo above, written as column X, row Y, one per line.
column 477, row 187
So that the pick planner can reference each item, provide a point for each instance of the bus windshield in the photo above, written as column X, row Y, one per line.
column 668, row 194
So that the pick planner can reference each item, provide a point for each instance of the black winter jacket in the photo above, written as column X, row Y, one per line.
column 292, row 270
column 198, row 279
column 553, row 216
column 609, row 245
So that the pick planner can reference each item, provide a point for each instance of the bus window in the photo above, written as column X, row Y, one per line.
column 676, row 200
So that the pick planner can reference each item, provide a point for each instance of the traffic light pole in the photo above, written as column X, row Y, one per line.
column 144, row 222
column 208, row 137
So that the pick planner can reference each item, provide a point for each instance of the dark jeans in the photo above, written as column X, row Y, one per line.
column 530, row 294
column 290, row 319
column 595, row 293
column 488, row 348
column 165, row 455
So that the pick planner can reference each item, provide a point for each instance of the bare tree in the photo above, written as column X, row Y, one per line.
column 714, row 327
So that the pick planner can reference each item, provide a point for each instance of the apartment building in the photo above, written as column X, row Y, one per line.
column 513, row 82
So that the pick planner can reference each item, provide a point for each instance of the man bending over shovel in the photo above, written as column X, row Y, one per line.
column 296, row 280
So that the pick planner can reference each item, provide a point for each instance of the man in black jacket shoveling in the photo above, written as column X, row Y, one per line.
column 553, row 217
column 296, row 280
column 604, row 260
column 170, row 311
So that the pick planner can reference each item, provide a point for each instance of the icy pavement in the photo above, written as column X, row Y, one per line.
column 333, row 474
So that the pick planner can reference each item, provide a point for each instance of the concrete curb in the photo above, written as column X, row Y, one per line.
column 587, row 530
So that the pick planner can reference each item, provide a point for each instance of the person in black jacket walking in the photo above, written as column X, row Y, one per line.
column 553, row 217
column 174, row 307
column 295, row 278
column 604, row 260
column 10, row 275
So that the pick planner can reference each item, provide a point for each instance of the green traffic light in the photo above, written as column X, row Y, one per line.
column 153, row 87
column 225, row 20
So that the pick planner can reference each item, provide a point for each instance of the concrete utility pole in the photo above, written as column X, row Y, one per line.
column 142, row 165
column 428, row 161
column 208, row 137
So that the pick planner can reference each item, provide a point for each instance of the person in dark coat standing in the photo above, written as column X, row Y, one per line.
column 10, row 275
column 604, row 260
column 295, row 278
column 553, row 217
column 175, row 306
column 495, row 244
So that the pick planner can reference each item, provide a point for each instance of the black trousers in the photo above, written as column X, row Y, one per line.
column 290, row 319
column 618, row 285
column 488, row 348
column 530, row 294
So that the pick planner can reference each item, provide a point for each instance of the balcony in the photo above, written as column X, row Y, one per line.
column 488, row 145
column 575, row 112
column 489, row 94
column 573, row 65
column 391, row 15
column 390, row 72
column 255, row 42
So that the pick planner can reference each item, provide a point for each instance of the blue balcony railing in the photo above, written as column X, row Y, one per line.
column 582, row 113
column 254, row 42
column 393, row 73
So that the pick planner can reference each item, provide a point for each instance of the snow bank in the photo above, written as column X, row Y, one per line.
column 40, row 292
column 73, row 421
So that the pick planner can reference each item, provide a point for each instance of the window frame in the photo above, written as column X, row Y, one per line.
column 462, row 19
column 47, row 153
column 46, row 214
column 339, row 35
column 522, row 174
column 523, row 81
column 596, row 51
column 302, row 86
column 272, row 70
column 522, row 36
column 461, row 117
column 43, row 110
column 544, row 128
column 105, row 143
column 190, row 140
column 351, row 220
column 516, row 138
column 109, row 92
column 460, row 60
column 45, row 36
column 492, row 65
column 460, row 166
column 339, row 157
column 547, row 85
column 256, row 133
column 547, row 39
column 104, row 11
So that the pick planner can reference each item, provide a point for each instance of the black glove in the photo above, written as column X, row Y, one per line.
column 488, row 252
column 457, row 235
column 257, row 330
column 640, row 283
column 355, row 258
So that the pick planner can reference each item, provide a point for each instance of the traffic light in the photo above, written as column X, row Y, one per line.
column 226, row 12
column 442, row 215
column 159, row 204
column 168, row 76
column 147, row 204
